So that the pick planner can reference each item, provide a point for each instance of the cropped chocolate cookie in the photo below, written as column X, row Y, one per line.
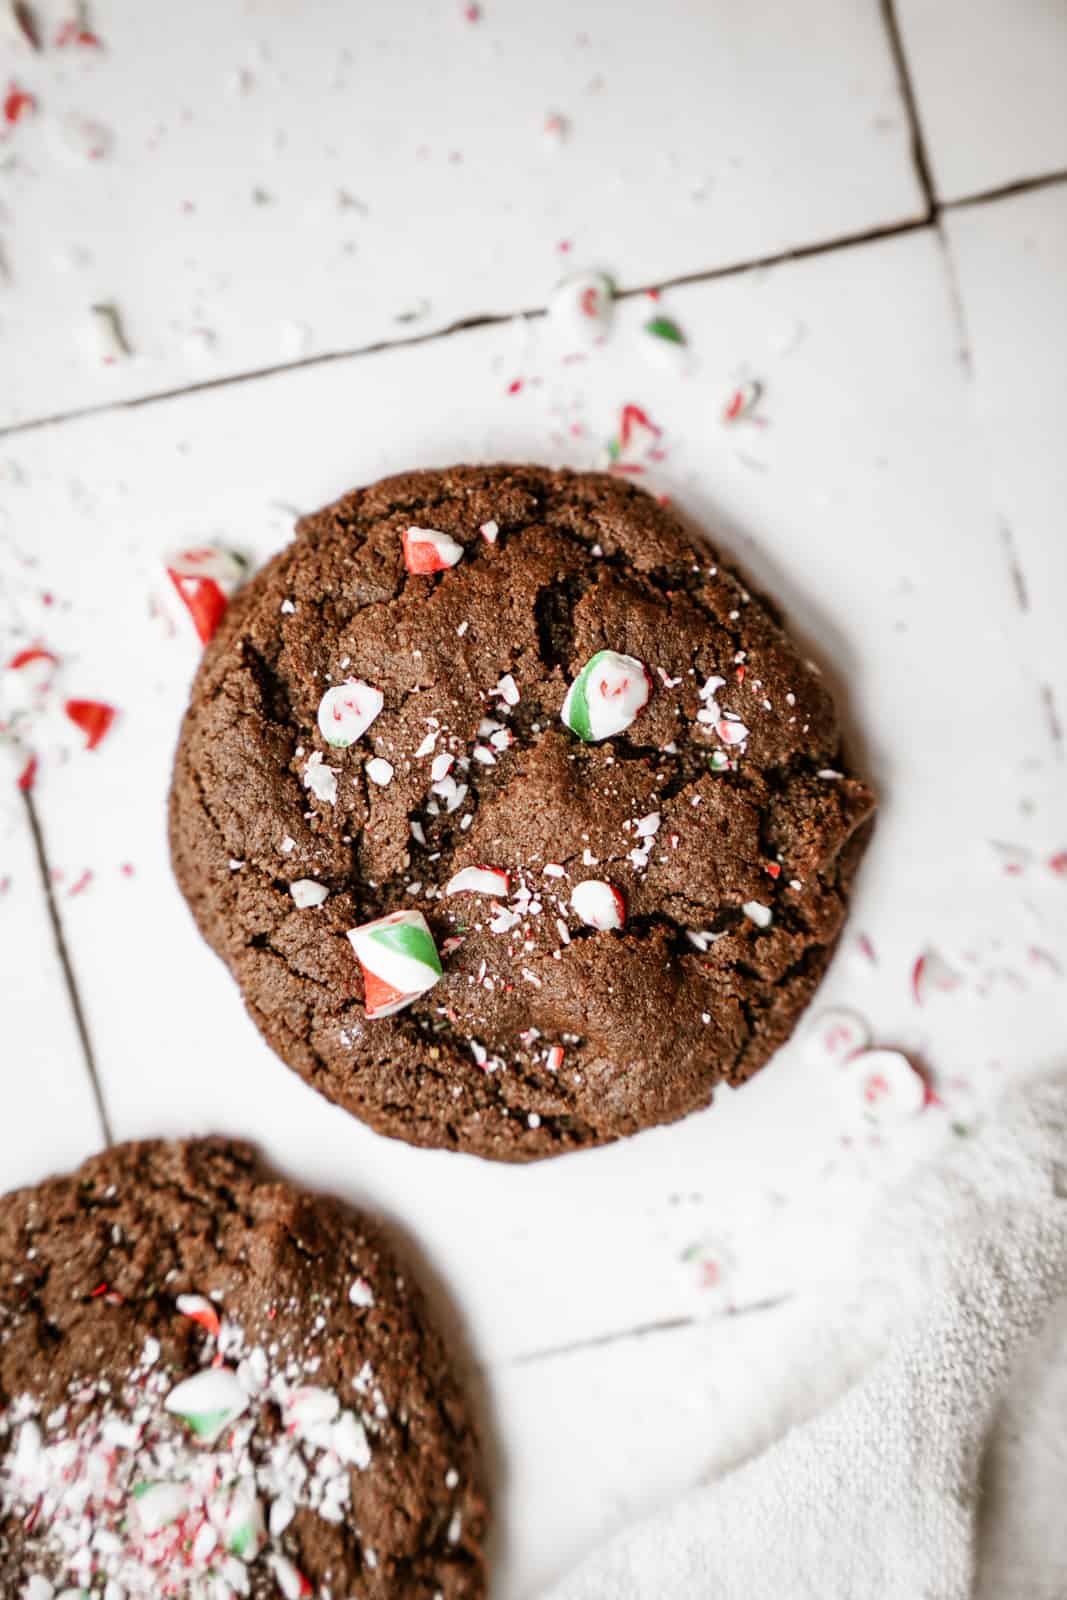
column 213, row 1385
column 519, row 822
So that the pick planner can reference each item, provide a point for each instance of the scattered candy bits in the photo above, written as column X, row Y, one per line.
column 347, row 710
column 399, row 961
column 834, row 1037
column 426, row 550
column 126, row 1503
column 18, row 103
column 205, row 577
column 606, row 697
column 93, row 717
column 743, row 402
column 598, row 904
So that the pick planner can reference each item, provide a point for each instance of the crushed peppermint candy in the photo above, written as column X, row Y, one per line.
column 888, row 1088
column 758, row 913
column 490, row 532
column 205, row 579
column 320, row 779
column 834, row 1037
column 428, row 550
column 307, row 893
column 186, row 1488
column 379, row 771
column 598, row 904
column 507, row 690
column 399, row 961
column 479, row 880
column 606, row 697
column 347, row 710
column 581, row 307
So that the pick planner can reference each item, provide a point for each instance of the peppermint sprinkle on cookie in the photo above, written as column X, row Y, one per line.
column 426, row 550
column 598, row 904
column 347, row 711
column 606, row 697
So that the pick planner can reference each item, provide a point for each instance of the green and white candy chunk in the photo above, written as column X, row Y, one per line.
column 606, row 696
column 399, row 960
column 238, row 1516
column 347, row 710
column 209, row 1402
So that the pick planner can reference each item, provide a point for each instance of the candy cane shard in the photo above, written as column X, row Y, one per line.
column 598, row 904
column 200, row 1310
column 159, row 1504
column 479, row 880
column 889, row 1088
column 209, row 1402
column 399, row 961
column 428, row 550
column 347, row 710
column 606, row 696
column 206, row 577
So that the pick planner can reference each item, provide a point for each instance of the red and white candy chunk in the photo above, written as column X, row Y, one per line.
column 428, row 550
column 479, row 880
column 347, row 710
column 887, row 1086
column 598, row 904
column 206, row 577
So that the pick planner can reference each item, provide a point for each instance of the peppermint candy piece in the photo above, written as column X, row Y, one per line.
column 427, row 550
column 834, row 1037
column 731, row 732
column 606, row 696
column 479, row 880
column 290, row 1579
column 306, row 892
column 347, row 710
column 932, row 974
column 238, row 1516
column 199, row 1309
column 93, row 717
column 379, row 771
column 758, row 913
column 598, row 904
column 887, row 1086
column 26, row 680
column 205, row 577
column 159, row 1504
column 582, row 306
column 399, row 961
column 208, row 1402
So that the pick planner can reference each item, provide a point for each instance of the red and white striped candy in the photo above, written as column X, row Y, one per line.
column 932, row 974
column 606, row 696
column 598, row 904
column 26, row 681
column 347, row 710
column 428, row 550
column 835, row 1036
column 200, row 1310
column 479, row 880
column 205, row 577
column 888, row 1089
column 399, row 961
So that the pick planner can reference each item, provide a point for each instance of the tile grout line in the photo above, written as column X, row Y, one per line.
column 68, row 970
column 646, row 1330
column 919, row 152
column 803, row 252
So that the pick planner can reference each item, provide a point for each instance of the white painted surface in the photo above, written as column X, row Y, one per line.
column 871, row 504
column 989, row 76
column 402, row 169
column 49, row 1118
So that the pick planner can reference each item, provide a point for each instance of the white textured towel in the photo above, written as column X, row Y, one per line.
column 876, row 1497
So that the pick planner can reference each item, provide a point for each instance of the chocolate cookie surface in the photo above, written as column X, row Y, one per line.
column 214, row 1385
column 585, row 776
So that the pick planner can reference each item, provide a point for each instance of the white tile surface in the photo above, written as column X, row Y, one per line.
column 876, row 530
column 989, row 77
column 49, row 1119
column 697, row 136
column 1011, row 265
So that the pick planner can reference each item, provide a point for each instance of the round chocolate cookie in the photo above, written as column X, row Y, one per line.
column 213, row 1385
column 519, row 822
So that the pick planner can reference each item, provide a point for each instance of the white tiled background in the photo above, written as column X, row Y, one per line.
column 294, row 208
